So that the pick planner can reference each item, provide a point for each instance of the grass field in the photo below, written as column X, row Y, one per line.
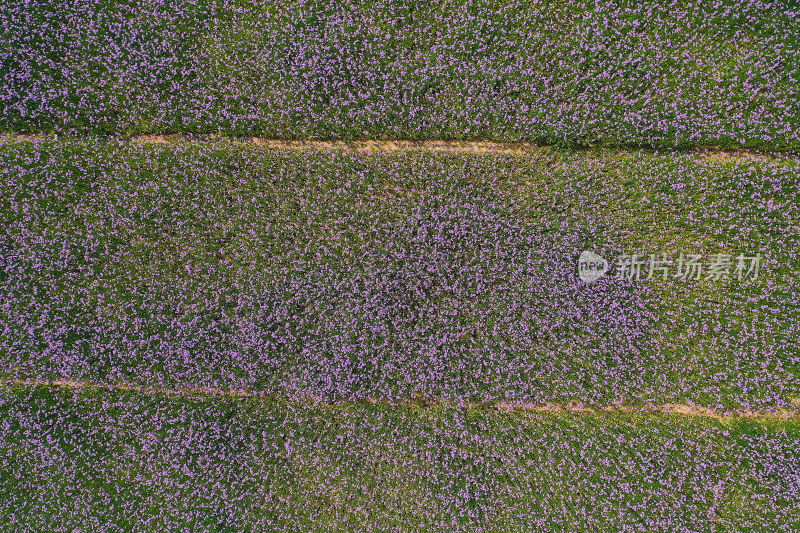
column 655, row 73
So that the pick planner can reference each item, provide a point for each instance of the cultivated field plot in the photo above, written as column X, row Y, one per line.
column 394, row 265
column 352, row 275
column 76, row 460
column 658, row 73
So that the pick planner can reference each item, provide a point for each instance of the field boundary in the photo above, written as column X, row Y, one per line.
column 420, row 401
column 434, row 145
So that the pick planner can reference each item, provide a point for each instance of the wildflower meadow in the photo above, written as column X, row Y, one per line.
column 390, row 265
column 576, row 73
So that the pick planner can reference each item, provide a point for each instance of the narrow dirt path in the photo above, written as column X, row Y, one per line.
column 418, row 400
column 436, row 145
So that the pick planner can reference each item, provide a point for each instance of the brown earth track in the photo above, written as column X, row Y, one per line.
column 418, row 401
column 436, row 145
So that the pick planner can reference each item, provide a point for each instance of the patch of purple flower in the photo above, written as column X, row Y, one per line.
column 339, row 275
column 582, row 72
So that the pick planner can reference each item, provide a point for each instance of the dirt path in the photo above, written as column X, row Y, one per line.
column 417, row 400
column 474, row 147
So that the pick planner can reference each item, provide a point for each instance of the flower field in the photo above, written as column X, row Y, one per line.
column 341, row 275
column 125, row 462
column 330, row 287
column 652, row 73
column 392, row 265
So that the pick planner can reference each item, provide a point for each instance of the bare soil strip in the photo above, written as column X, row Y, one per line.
column 418, row 400
column 435, row 145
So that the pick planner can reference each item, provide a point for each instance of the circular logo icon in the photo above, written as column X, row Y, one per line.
column 591, row 266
